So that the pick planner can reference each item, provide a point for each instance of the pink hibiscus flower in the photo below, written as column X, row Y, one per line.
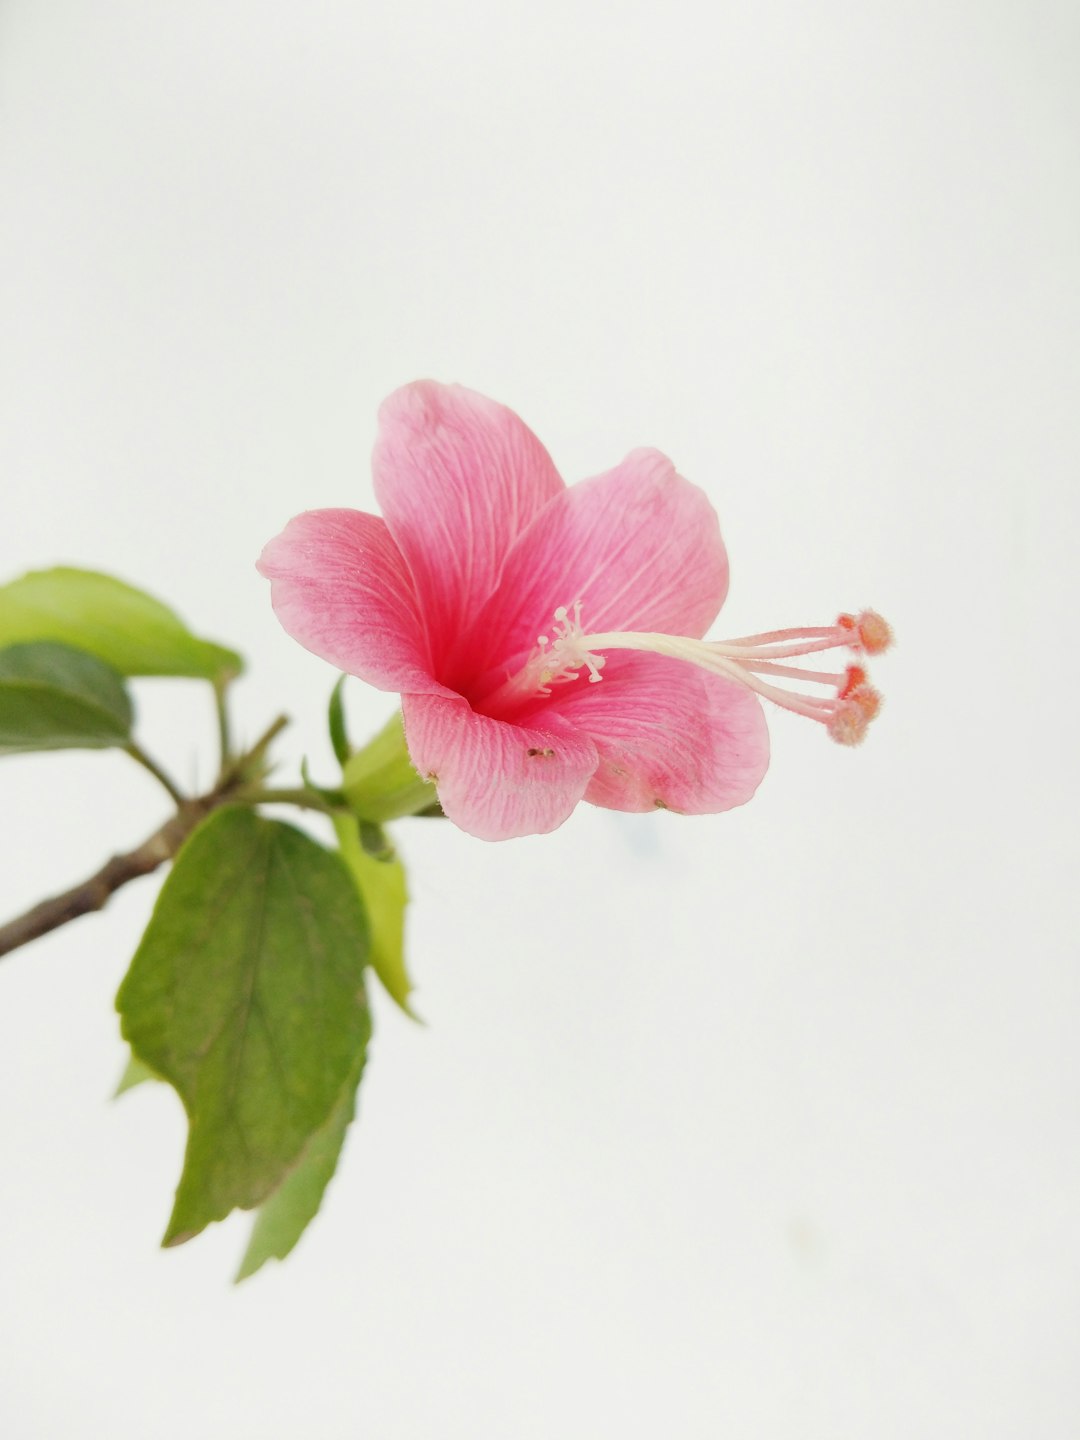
column 546, row 640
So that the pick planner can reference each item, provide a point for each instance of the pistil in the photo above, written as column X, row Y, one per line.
column 559, row 658
column 845, row 713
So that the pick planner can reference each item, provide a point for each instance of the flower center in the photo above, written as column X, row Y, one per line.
column 567, row 653
column 845, row 711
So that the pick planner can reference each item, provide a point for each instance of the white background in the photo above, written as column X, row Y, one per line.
column 758, row 1125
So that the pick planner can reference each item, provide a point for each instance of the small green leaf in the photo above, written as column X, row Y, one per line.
column 283, row 1218
column 135, row 1073
column 247, row 995
column 53, row 697
column 383, row 889
column 380, row 782
column 125, row 627
column 336, row 719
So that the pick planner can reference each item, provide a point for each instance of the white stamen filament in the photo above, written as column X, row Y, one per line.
column 767, row 637
column 792, row 672
column 739, row 650
column 708, row 655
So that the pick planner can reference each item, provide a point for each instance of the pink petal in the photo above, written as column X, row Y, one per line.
column 670, row 736
column 640, row 547
column 458, row 478
column 497, row 780
column 341, row 587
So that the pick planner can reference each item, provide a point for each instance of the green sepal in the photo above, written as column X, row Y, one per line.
column 247, row 995
column 336, row 721
column 380, row 781
column 123, row 626
column 54, row 697
column 383, row 889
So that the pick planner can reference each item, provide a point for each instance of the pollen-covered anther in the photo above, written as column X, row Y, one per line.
column 847, row 724
column 854, row 676
column 868, row 700
column 869, row 631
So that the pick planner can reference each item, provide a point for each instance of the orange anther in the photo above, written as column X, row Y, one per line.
column 874, row 632
column 867, row 699
column 854, row 676
column 847, row 726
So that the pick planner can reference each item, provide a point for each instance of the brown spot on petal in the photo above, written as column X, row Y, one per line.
column 432, row 777
column 538, row 750
column 660, row 804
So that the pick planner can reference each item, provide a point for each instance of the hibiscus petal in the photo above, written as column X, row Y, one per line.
column 670, row 736
column 458, row 478
column 640, row 547
column 498, row 780
column 340, row 586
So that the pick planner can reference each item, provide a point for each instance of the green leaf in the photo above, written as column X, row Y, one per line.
column 336, row 721
column 380, row 782
column 55, row 698
column 247, row 995
column 135, row 1073
column 125, row 627
column 283, row 1218
column 383, row 889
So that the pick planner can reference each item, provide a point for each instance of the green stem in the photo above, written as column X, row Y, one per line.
column 139, row 755
column 93, row 893
column 305, row 799
column 272, row 731
column 224, row 738
column 249, row 766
